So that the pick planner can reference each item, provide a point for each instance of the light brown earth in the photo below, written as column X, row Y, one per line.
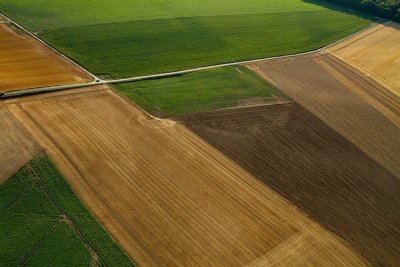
column 16, row 145
column 315, row 168
column 165, row 195
column 375, row 52
column 26, row 63
column 359, row 108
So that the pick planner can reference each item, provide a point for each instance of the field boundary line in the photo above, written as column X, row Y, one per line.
column 278, row 103
column 98, row 81
column 369, row 73
column 38, row 244
column 14, row 200
column 384, row 110
column 390, row 96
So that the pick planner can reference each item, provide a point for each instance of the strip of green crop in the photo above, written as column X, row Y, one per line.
column 200, row 91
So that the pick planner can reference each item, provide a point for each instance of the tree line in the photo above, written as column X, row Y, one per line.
column 389, row 9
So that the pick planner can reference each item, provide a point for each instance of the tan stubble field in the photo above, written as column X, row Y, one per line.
column 26, row 63
column 375, row 52
column 16, row 145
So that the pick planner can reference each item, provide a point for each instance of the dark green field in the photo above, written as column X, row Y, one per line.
column 43, row 223
column 201, row 91
column 130, row 38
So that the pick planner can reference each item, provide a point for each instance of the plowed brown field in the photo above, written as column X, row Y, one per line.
column 25, row 63
column 356, row 106
column 375, row 52
column 315, row 168
column 16, row 145
column 165, row 195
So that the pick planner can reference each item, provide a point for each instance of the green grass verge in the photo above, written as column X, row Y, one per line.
column 200, row 91
column 33, row 228
column 154, row 46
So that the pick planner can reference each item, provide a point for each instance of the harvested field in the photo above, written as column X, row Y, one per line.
column 25, row 63
column 375, row 52
column 16, row 145
column 165, row 195
column 315, row 168
column 356, row 106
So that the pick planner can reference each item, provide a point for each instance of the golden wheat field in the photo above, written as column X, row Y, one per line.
column 375, row 52
column 25, row 63
column 164, row 194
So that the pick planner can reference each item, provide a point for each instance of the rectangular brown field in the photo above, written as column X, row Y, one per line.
column 16, row 145
column 356, row 106
column 315, row 168
column 26, row 63
column 375, row 52
column 165, row 195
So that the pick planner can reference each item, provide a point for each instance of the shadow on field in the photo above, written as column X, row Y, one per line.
column 342, row 9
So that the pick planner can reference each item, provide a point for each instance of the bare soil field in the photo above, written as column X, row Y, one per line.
column 316, row 169
column 16, row 145
column 25, row 63
column 164, row 194
column 357, row 107
column 375, row 52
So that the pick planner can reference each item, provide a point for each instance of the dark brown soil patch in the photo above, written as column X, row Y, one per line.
column 314, row 167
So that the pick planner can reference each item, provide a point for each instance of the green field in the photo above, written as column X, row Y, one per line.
column 43, row 223
column 124, row 38
column 200, row 91
column 43, row 14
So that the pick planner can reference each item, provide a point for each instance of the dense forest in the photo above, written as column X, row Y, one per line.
column 389, row 9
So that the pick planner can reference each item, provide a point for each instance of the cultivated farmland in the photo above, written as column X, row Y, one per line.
column 356, row 106
column 315, row 168
column 201, row 91
column 43, row 223
column 127, row 38
column 38, row 14
column 376, row 53
column 165, row 195
column 25, row 63
column 16, row 145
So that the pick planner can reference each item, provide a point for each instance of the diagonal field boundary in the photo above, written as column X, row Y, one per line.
column 98, row 81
